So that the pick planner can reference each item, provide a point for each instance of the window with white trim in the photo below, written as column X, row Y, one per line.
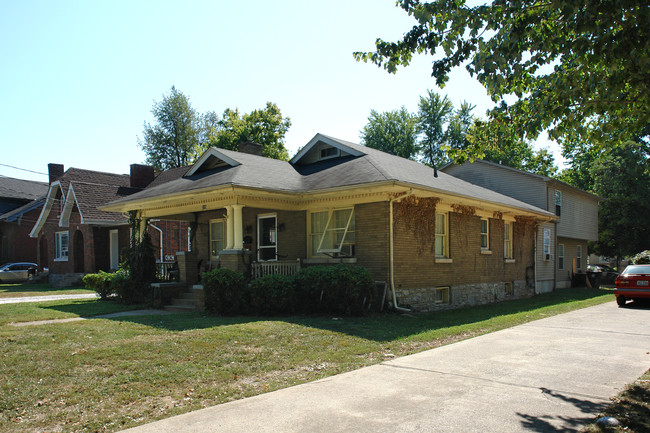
column 579, row 257
column 507, row 240
column 61, row 244
column 558, row 202
column 217, row 237
column 332, row 232
column 547, row 244
column 560, row 256
column 442, row 236
column 485, row 234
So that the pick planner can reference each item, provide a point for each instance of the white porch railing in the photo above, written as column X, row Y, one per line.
column 287, row 267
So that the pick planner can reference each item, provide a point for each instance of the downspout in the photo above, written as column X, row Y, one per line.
column 535, row 257
column 391, row 248
column 161, row 239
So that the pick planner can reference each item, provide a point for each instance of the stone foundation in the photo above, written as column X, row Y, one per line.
column 424, row 299
column 66, row 280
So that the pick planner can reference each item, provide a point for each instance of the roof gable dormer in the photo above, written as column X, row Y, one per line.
column 211, row 159
column 321, row 148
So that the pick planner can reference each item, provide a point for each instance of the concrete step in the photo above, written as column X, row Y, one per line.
column 183, row 302
column 179, row 309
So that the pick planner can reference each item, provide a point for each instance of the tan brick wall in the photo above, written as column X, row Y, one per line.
column 372, row 238
column 473, row 277
column 292, row 238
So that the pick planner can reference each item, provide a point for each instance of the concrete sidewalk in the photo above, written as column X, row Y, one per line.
column 47, row 298
column 550, row 375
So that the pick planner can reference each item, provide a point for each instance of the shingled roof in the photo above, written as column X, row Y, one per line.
column 21, row 189
column 362, row 166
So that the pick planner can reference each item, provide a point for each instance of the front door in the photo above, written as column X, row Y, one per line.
column 114, row 246
column 267, row 232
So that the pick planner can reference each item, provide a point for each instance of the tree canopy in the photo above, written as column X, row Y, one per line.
column 392, row 132
column 181, row 134
column 571, row 66
column 174, row 140
column 438, row 133
column 263, row 126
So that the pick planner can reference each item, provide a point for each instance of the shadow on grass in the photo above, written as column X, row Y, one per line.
column 376, row 327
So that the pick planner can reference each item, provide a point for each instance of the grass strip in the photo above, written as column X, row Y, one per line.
column 20, row 290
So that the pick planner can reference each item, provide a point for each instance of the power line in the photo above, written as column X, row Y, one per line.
column 23, row 169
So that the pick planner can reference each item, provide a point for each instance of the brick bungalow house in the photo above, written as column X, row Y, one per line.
column 20, row 204
column 436, row 240
column 562, row 243
column 75, row 237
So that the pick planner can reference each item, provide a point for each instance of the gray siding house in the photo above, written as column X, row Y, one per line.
column 561, row 245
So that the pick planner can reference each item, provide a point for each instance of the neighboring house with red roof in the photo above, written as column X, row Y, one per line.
column 74, row 236
column 436, row 240
column 20, row 204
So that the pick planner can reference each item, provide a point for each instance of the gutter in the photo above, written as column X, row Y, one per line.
column 392, row 248
column 151, row 224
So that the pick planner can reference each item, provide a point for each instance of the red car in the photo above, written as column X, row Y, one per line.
column 633, row 283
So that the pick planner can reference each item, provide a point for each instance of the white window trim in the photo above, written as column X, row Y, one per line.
column 311, row 238
column 485, row 249
column 210, row 222
column 560, row 255
column 557, row 194
column 275, row 246
column 446, row 257
column 579, row 257
column 509, row 244
column 57, row 246
column 546, row 252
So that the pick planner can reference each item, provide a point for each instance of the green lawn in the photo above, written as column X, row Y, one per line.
column 18, row 290
column 106, row 375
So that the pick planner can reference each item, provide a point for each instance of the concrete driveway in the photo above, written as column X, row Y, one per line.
column 549, row 375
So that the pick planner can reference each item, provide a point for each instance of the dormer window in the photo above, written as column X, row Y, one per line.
column 329, row 152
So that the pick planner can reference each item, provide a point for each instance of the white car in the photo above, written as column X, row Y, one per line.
column 15, row 272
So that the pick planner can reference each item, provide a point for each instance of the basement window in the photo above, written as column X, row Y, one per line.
column 509, row 288
column 442, row 295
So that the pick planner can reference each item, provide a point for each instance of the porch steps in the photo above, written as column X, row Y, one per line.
column 183, row 304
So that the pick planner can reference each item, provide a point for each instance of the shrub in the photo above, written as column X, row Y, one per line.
column 100, row 283
column 643, row 258
column 225, row 292
column 273, row 294
column 339, row 289
column 125, row 288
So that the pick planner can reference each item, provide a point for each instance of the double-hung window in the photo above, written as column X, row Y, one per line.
column 560, row 256
column 442, row 236
column 485, row 234
column 332, row 232
column 579, row 257
column 507, row 240
column 217, row 238
column 547, row 244
column 558, row 202
column 61, row 243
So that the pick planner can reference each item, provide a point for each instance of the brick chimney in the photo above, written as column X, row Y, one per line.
column 250, row 147
column 54, row 171
column 141, row 175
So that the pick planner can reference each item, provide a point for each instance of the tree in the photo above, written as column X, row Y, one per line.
column 501, row 144
column 573, row 65
column 264, row 126
column 173, row 141
column 433, row 115
column 459, row 126
column 621, row 177
column 393, row 132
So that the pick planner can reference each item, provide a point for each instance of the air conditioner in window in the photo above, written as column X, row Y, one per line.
column 547, row 257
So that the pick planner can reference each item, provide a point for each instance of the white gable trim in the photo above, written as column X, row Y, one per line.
column 213, row 151
column 47, row 207
column 70, row 201
column 320, row 138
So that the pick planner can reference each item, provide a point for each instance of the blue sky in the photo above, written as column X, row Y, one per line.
column 78, row 79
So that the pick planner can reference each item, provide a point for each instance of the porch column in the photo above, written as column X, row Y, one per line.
column 143, row 228
column 238, row 241
column 229, row 228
